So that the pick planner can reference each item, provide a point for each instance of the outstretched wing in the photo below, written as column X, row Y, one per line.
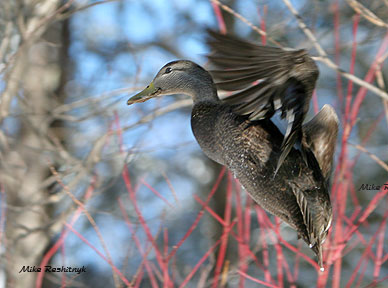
column 263, row 80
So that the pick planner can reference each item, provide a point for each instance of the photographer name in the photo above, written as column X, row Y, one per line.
column 373, row 187
column 64, row 269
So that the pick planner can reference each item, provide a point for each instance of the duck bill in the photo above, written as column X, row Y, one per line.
column 149, row 92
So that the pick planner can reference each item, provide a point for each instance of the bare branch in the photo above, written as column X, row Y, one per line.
column 366, row 13
column 324, row 58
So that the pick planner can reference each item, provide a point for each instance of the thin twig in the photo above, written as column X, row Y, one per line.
column 324, row 57
column 243, row 19
column 371, row 155
column 366, row 13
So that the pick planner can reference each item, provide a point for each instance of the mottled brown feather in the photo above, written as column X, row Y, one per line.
column 242, row 137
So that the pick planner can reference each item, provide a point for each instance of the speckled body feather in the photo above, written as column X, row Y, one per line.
column 250, row 150
column 238, row 133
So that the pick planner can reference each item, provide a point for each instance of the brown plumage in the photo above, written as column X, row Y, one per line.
column 239, row 134
column 288, row 80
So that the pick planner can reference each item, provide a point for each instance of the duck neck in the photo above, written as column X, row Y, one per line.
column 204, row 94
column 202, row 89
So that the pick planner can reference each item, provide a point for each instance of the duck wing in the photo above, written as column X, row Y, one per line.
column 320, row 136
column 263, row 80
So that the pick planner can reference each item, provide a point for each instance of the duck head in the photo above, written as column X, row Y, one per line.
column 179, row 77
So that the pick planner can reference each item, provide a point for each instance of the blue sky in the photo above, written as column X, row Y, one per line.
column 168, row 141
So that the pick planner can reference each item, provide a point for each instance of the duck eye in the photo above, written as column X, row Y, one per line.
column 168, row 70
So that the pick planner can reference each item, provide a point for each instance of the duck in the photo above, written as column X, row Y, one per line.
column 286, row 174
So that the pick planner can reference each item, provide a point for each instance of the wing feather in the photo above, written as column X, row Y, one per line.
column 263, row 80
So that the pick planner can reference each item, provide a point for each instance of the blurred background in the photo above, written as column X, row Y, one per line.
column 127, row 193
